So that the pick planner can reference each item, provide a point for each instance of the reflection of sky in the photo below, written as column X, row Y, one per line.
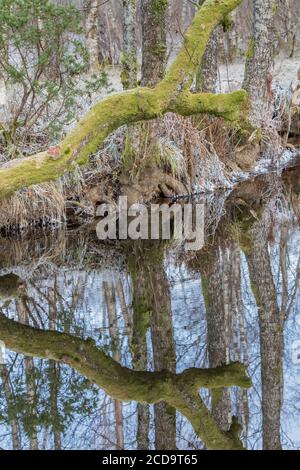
column 291, row 407
column 89, row 318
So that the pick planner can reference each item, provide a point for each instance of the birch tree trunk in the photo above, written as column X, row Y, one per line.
column 3, row 103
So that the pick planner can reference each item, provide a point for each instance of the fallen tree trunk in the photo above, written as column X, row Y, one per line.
column 172, row 94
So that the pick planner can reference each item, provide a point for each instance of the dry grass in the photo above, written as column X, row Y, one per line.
column 202, row 146
column 50, row 204
column 35, row 207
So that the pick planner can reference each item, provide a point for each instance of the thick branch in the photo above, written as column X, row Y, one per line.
column 140, row 104
column 179, row 390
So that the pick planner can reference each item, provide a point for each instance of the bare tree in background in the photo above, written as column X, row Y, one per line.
column 260, row 58
column 207, row 76
column 129, row 56
column 92, row 33
column 214, row 276
column 154, row 40
column 110, row 301
column 152, row 308
column 271, row 334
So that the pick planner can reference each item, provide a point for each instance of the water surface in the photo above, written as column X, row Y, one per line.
column 150, row 306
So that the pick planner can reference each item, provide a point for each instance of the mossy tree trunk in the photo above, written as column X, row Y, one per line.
column 142, row 147
column 171, row 94
column 110, row 302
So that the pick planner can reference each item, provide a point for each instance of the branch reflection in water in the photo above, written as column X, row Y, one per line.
column 126, row 345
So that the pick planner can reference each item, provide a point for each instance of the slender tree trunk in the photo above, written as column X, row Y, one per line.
column 3, row 103
column 271, row 336
column 152, row 307
column 142, row 146
column 259, row 63
column 110, row 300
column 140, row 325
column 217, row 306
column 92, row 34
column 30, row 383
column 103, row 47
column 54, row 375
column 207, row 75
column 164, row 354
column 154, row 40
column 129, row 58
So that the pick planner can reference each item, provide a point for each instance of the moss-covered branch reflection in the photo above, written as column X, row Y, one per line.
column 178, row 390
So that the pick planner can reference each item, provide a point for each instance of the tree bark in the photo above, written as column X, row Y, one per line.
column 259, row 63
column 110, row 300
column 154, row 33
column 30, row 384
column 207, row 74
column 271, row 336
column 129, row 57
column 211, row 266
column 152, row 308
column 92, row 34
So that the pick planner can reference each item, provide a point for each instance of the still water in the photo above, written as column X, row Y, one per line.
column 141, row 345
